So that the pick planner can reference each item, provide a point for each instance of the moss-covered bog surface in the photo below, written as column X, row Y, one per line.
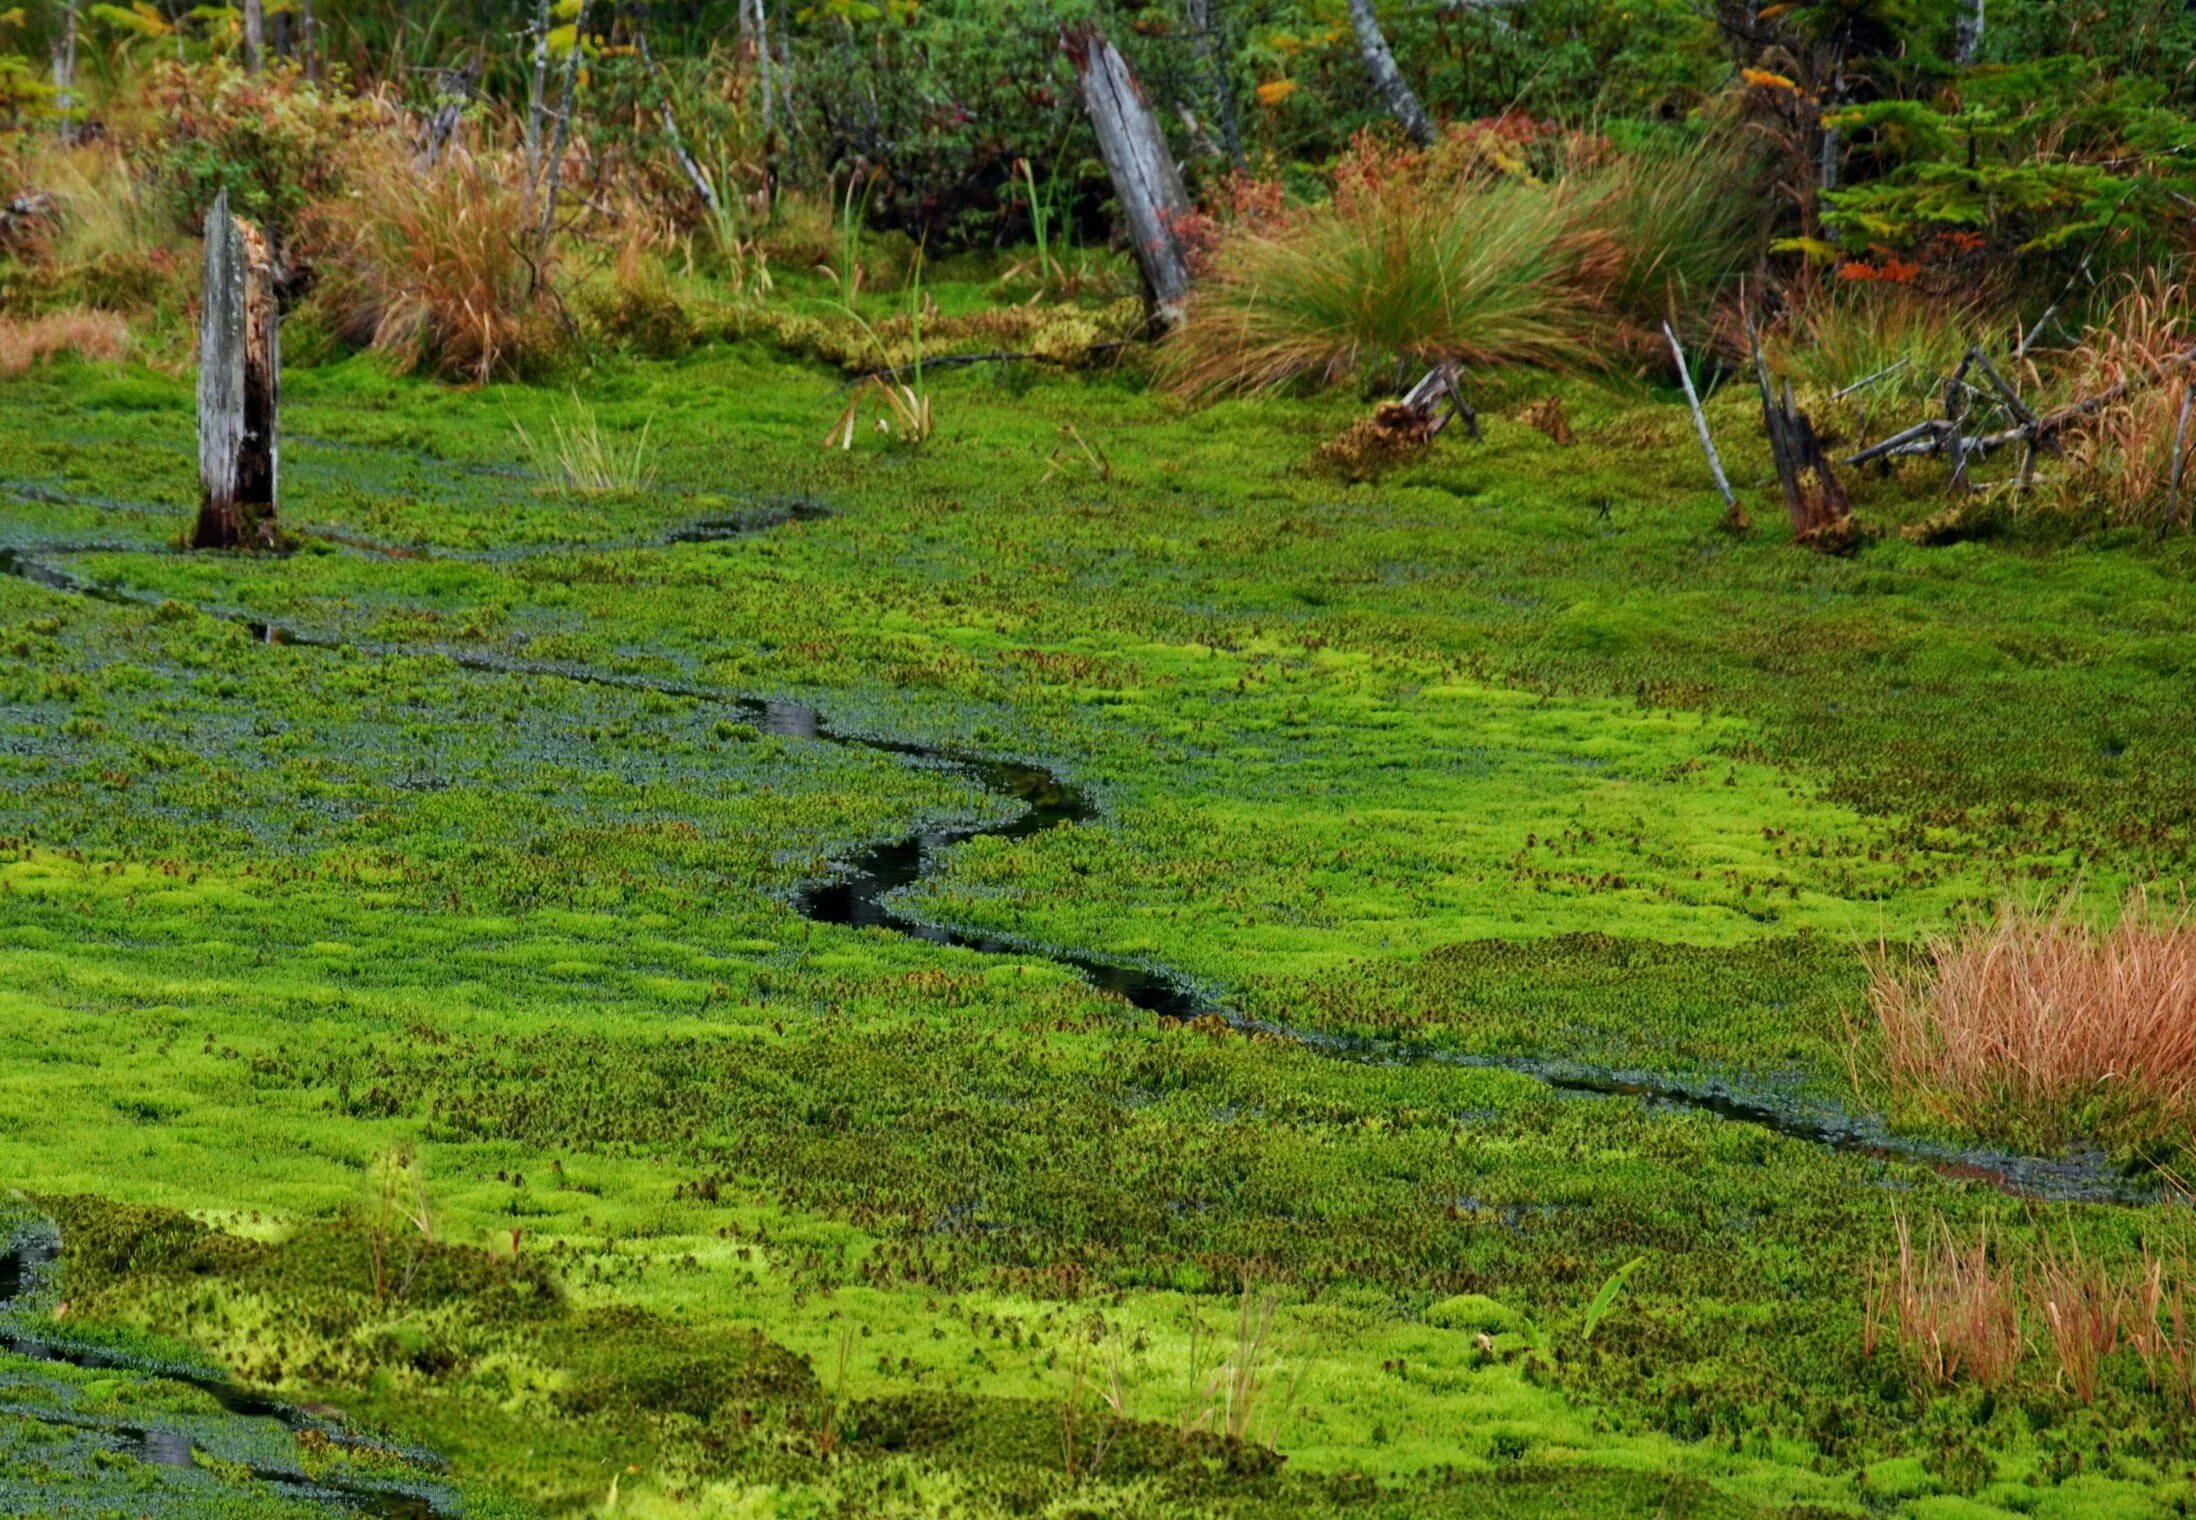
column 714, row 1209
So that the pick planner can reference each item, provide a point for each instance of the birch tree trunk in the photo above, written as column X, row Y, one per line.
column 255, row 34
column 1967, row 43
column 239, row 387
column 64, row 72
column 1145, row 179
column 537, row 96
column 1387, row 78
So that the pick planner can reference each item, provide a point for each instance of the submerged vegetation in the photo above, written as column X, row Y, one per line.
column 851, row 864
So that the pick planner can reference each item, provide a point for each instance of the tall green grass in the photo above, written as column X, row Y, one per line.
column 1483, row 276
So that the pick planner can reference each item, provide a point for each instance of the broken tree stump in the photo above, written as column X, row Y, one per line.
column 1145, row 179
column 1400, row 431
column 239, row 384
column 1813, row 496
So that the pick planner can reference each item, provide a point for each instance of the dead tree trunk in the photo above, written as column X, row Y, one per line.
column 686, row 160
column 1145, row 179
column 1734, row 512
column 239, row 384
column 1387, row 78
column 255, row 34
column 1814, row 498
column 453, row 92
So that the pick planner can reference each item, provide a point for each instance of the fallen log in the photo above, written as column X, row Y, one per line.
column 239, row 384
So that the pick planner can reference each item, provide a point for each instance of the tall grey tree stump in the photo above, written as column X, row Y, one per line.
column 1145, row 180
column 239, row 386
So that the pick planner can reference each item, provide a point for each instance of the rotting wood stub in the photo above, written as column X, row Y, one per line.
column 239, row 387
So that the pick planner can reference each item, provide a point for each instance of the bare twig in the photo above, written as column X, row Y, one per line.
column 2180, row 457
column 1867, row 380
column 1700, row 418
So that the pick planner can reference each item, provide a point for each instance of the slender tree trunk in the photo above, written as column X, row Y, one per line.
column 784, row 71
column 1145, row 180
column 239, row 387
column 563, row 134
column 1387, row 78
column 1967, row 41
column 755, row 32
column 255, row 34
column 537, row 97
column 309, row 40
column 64, row 72
column 1207, row 35
column 692, row 170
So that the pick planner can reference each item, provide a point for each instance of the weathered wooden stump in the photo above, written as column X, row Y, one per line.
column 1814, row 498
column 239, row 386
column 1145, row 179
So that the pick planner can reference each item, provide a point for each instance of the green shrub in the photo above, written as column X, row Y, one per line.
column 274, row 140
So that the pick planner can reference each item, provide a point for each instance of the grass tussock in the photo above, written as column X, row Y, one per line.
column 1879, row 350
column 95, row 234
column 1414, row 261
column 96, row 335
column 1982, row 1312
column 1482, row 277
column 437, row 269
column 2040, row 1026
column 579, row 456
column 1954, row 1308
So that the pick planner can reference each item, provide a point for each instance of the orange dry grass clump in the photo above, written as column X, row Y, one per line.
column 436, row 268
column 1954, row 1309
column 87, row 334
column 1975, row 1312
column 2039, row 1026
column 2124, row 455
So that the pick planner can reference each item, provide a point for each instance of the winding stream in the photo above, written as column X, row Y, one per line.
column 865, row 893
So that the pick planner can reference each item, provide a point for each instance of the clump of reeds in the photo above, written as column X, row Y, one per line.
column 1955, row 1309
column 99, row 335
column 2038, row 1026
column 1882, row 349
column 438, row 267
column 1482, row 276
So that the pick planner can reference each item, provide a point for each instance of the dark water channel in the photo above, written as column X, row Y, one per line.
column 864, row 892
column 242, row 1429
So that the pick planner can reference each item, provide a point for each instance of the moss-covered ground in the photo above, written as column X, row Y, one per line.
column 1513, row 753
